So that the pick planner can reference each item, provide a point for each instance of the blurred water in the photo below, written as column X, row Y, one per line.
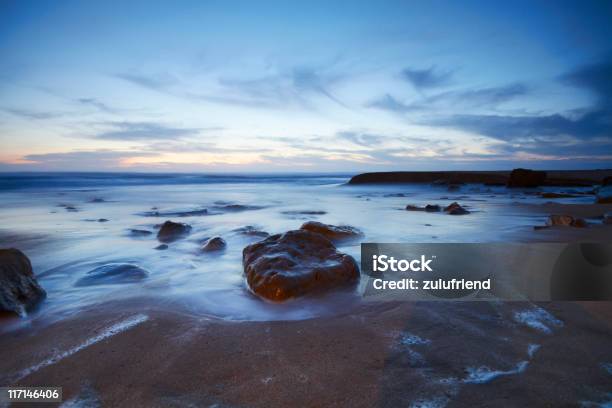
column 64, row 245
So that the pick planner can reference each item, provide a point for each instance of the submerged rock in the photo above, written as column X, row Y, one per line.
column 171, row 231
column 526, row 178
column 102, row 220
column 557, row 195
column 296, row 263
column 161, row 247
column 557, row 220
column 113, row 273
column 214, row 244
column 139, row 232
column 427, row 208
column 237, row 207
column 251, row 231
column 179, row 213
column 333, row 232
column 19, row 289
column 455, row 209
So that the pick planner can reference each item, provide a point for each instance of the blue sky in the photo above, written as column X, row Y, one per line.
column 282, row 86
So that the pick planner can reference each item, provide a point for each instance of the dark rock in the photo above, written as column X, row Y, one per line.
column 19, row 289
column 251, row 231
column 607, row 181
column 395, row 195
column 71, row 208
column 557, row 195
column 428, row 208
column 333, row 232
column 456, row 209
column 296, row 263
column 432, row 208
column 607, row 218
column 526, row 178
column 237, row 207
column 185, row 213
column 113, row 273
column 214, row 244
column 604, row 200
column 97, row 200
column 557, row 220
column 102, row 220
column 161, row 247
column 171, row 231
column 304, row 212
column 139, row 233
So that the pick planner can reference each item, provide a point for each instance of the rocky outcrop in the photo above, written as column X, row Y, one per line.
column 427, row 208
column 296, row 263
column 332, row 232
column 557, row 195
column 455, row 209
column 171, row 231
column 526, row 178
column 214, row 244
column 557, row 220
column 113, row 273
column 251, row 231
column 19, row 289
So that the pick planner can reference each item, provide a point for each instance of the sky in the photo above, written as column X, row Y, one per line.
column 331, row 86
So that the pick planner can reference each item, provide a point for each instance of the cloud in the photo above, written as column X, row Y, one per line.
column 454, row 100
column 82, row 159
column 93, row 102
column 389, row 103
column 145, row 131
column 32, row 114
column 158, row 82
column 590, row 123
column 426, row 78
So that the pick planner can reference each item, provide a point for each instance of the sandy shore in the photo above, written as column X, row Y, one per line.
column 391, row 354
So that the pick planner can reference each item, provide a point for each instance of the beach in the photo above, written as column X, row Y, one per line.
column 189, row 331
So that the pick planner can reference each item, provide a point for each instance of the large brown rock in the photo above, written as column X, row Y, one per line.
column 214, row 244
column 19, row 289
column 333, row 232
column 171, row 231
column 296, row 263
column 526, row 178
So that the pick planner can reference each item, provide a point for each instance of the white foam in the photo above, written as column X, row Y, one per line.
column 532, row 349
column 538, row 319
column 413, row 340
column 106, row 333
column 481, row 375
column 437, row 402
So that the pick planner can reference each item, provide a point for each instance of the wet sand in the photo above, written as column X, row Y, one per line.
column 392, row 354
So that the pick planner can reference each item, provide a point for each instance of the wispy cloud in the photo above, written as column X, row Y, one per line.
column 159, row 82
column 32, row 114
column 142, row 131
column 97, row 104
column 427, row 78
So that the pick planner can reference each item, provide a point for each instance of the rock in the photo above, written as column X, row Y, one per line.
column 71, row 208
column 214, row 244
column 179, row 213
column 237, row 207
column 102, row 220
column 557, row 220
column 161, row 247
column 304, row 212
column 251, row 231
column 171, row 231
column 607, row 181
column 456, row 209
column 296, row 263
column 557, row 195
column 113, row 273
column 139, row 232
column 432, row 208
column 526, row 178
column 428, row 208
column 333, row 232
column 604, row 200
column 19, row 289
column 97, row 200
column 607, row 218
